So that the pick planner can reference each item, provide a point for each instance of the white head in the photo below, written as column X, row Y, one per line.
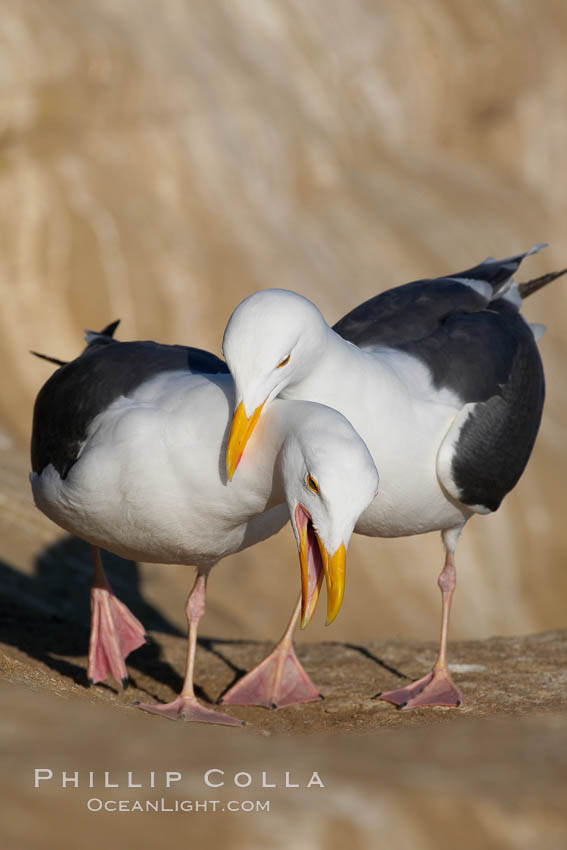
column 329, row 480
column 271, row 340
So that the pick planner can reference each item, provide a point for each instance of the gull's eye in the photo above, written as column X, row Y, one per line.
column 312, row 484
column 284, row 362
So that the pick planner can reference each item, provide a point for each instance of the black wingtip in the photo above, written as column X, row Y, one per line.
column 49, row 359
column 531, row 286
column 109, row 329
column 103, row 336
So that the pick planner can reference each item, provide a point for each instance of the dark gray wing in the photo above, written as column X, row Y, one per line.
column 466, row 339
column 411, row 312
column 80, row 390
column 408, row 313
column 496, row 436
column 477, row 345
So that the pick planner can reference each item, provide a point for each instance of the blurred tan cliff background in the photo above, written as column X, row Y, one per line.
column 160, row 161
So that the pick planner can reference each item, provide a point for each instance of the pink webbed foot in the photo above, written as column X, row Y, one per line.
column 279, row 680
column 115, row 633
column 187, row 708
column 437, row 688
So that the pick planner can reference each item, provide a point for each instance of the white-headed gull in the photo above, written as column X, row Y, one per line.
column 441, row 378
column 128, row 451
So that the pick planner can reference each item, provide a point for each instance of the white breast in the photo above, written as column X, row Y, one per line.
column 147, row 483
column 389, row 398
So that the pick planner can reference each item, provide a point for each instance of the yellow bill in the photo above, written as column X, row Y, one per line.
column 334, row 569
column 240, row 432
column 315, row 563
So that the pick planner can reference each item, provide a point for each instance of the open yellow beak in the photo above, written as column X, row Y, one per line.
column 240, row 432
column 309, row 594
column 334, row 568
column 334, row 572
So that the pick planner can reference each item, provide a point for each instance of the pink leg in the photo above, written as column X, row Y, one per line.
column 115, row 632
column 186, row 707
column 437, row 688
column 277, row 681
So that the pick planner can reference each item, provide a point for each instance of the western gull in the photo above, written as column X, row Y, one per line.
column 441, row 378
column 128, row 452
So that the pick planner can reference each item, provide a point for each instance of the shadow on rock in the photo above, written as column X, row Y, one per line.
column 48, row 614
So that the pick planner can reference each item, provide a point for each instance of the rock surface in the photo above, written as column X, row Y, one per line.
column 492, row 774
column 503, row 677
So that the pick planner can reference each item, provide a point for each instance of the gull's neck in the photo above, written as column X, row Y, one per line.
column 261, row 466
column 337, row 369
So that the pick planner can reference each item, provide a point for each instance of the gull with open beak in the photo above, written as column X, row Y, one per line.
column 442, row 379
column 127, row 453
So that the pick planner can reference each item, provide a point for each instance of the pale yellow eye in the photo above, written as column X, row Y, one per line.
column 284, row 362
column 312, row 484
